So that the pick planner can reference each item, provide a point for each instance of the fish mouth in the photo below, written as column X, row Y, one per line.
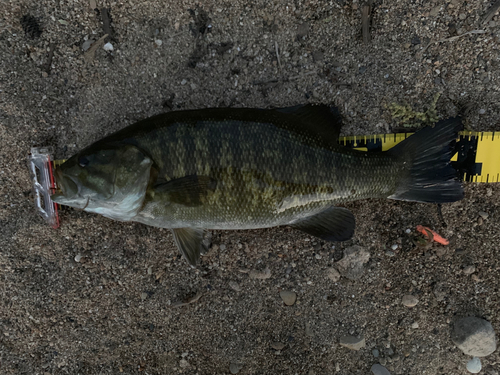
column 69, row 187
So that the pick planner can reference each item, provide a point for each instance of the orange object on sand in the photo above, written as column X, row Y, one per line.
column 435, row 237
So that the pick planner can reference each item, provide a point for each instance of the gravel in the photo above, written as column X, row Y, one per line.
column 60, row 316
column 352, row 264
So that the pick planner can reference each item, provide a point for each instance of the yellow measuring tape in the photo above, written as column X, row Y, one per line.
column 476, row 155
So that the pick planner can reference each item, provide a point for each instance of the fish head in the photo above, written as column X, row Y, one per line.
column 111, row 181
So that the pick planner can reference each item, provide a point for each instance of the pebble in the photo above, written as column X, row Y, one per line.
column 86, row 45
column 390, row 253
column 183, row 82
column 222, row 247
column 474, row 365
column 375, row 353
column 415, row 325
column 333, row 274
column 462, row 16
column 158, row 42
column 144, row 296
column 469, row 270
column 78, row 258
column 234, row 368
column 108, row 47
column 234, row 286
column 483, row 214
column 352, row 264
column 482, row 111
column 260, row 275
column 409, row 300
column 288, row 297
column 394, row 247
column 183, row 363
column 440, row 291
column 277, row 345
column 474, row 336
column 379, row 370
column 352, row 342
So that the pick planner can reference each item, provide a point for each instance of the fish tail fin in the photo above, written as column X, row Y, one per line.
column 430, row 177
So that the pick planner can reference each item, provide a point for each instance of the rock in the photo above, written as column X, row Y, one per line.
column 440, row 291
column 482, row 111
column 415, row 325
column 394, row 247
column 78, row 258
column 352, row 264
column 379, row 370
column 277, row 345
column 474, row 336
column 352, row 342
column 483, row 214
column 409, row 300
column 234, row 368
column 474, row 365
column 108, row 47
column 234, row 286
column 261, row 275
column 333, row 274
column 375, row 353
column 86, row 45
column 144, row 296
column 288, row 297
column 469, row 270
column 390, row 253
column 183, row 363
column 158, row 42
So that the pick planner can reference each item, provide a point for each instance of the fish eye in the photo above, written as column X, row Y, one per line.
column 83, row 161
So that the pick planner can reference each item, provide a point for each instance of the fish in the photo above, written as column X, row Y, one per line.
column 248, row 168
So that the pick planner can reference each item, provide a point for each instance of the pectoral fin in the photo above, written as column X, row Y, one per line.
column 332, row 224
column 190, row 243
column 188, row 191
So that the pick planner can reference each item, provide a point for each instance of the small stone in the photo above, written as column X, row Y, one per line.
column 288, row 297
column 150, row 270
column 462, row 16
column 415, row 325
column 474, row 365
column 222, row 247
column 86, row 45
column 78, row 258
column 260, row 275
column 375, row 353
column 352, row 342
column 277, row 345
column 390, row 253
column 144, row 296
column 482, row 111
column 474, row 336
column 483, row 214
column 379, row 370
column 352, row 264
column 234, row 368
column 45, row 74
column 409, row 300
column 183, row 363
column 234, row 286
column 158, row 42
column 408, row 231
column 440, row 291
column 394, row 247
column 183, row 82
column 108, row 47
column 469, row 270
column 333, row 274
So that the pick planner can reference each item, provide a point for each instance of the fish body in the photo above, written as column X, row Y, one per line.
column 250, row 168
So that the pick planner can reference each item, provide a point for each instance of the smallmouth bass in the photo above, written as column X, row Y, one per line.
column 244, row 168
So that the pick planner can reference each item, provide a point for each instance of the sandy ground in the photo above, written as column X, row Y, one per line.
column 113, row 311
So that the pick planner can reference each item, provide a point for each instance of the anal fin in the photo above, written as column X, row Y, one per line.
column 332, row 224
column 190, row 243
